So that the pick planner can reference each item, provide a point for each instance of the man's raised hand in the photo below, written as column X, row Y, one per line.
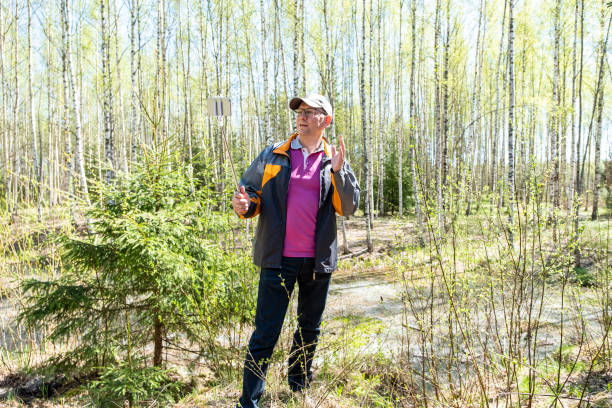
column 240, row 201
column 337, row 159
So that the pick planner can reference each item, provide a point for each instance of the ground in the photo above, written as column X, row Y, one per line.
column 405, row 324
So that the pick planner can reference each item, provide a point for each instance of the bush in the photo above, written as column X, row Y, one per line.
column 608, row 181
column 142, row 384
column 391, row 181
column 153, row 269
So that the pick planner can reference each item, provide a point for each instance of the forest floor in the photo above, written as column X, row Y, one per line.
column 373, row 329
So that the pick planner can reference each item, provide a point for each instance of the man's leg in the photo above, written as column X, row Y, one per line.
column 275, row 288
column 311, row 303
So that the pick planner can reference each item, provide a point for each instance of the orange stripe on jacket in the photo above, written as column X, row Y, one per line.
column 336, row 197
column 270, row 172
column 257, row 202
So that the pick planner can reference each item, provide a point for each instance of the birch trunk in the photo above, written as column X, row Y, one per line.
column 35, row 161
column 444, row 127
column 134, row 133
column 186, row 69
column 510, row 119
column 296, row 54
column 571, row 187
column 498, row 89
column 600, row 101
column 107, row 105
column 416, row 181
column 381, row 119
column 370, row 116
column 164, row 73
column 50, row 131
column 65, row 125
column 4, row 132
column 79, row 164
column 471, row 139
column 437, row 119
column 398, row 103
column 302, row 52
column 264, row 65
column 364, row 128
column 120, row 135
column 14, row 147
column 555, row 121
column 285, row 107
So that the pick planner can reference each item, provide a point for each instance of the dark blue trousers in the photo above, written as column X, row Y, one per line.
column 275, row 288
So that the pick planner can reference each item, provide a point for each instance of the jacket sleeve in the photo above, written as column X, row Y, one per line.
column 346, row 191
column 251, row 180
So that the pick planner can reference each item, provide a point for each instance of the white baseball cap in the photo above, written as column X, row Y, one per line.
column 314, row 100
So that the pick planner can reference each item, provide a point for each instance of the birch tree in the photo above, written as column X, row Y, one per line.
column 264, row 66
column 471, row 139
column 33, row 130
column 579, row 172
column 398, row 120
column 599, row 102
column 4, row 134
column 555, row 119
column 510, row 119
column 413, row 131
column 364, row 131
column 134, row 6
column 14, row 142
column 571, row 187
column 437, row 119
column 107, row 105
column 65, row 113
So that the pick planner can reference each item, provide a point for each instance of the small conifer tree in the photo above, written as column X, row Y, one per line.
column 154, row 267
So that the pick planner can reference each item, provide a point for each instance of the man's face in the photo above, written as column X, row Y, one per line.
column 310, row 120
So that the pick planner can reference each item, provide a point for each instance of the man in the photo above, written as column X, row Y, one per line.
column 296, row 187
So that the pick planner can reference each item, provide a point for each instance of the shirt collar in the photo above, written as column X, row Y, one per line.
column 295, row 144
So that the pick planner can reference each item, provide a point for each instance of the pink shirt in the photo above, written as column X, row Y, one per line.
column 302, row 202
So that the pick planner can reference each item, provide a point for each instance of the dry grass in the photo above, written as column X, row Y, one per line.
column 370, row 352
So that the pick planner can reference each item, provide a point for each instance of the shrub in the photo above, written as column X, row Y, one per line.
column 124, row 383
column 153, row 268
column 608, row 181
column 391, row 181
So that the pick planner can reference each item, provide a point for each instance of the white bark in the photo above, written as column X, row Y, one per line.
column 364, row 129
column 76, row 107
column 510, row 118
column 107, row 105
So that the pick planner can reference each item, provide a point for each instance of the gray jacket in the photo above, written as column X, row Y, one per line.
column 266, row 181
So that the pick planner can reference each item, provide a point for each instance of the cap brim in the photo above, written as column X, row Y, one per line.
column 295, row 103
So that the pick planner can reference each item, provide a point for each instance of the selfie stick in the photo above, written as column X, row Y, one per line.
column 221, row 107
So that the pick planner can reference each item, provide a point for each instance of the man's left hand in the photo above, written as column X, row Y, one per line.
column 337, row 159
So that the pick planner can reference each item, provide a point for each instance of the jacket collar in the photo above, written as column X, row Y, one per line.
column 284, row 148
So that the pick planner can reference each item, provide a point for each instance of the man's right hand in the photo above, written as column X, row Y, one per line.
column 241, row 201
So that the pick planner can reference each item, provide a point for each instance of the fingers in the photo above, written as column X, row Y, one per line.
column 333, row 151
column 241, row 194
column 240, row 201
column 240, row 205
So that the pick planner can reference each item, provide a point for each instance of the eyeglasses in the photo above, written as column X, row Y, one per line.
column 308, row 113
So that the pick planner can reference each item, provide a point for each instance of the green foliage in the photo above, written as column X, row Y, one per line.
column 607, row 179
column 155, row 258
column 124, row 383
column 391, row 181
column 583, row 277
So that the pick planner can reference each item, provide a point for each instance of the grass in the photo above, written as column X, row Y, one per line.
column 476, row 316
